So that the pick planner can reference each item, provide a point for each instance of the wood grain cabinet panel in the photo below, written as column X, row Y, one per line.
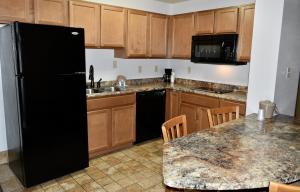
column 53, row 12
column 226, row 20
column 192, row 113
column 182, row 31
column 246, row 22
column 204, row 22
column 99, row 130
column 137, row 33
column 16, row 10
column 87, row 16
column 242, row 105
column 172, row 104
column 113, row 22
column 158, row 35
column 123, row 125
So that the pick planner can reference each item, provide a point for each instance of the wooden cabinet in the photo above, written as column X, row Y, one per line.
column 99, row 130
column 111, row 123
column 87, row 16
column 204, row 22
column 182, row 27
column 16, row 10
column 195, row 108
column 246, row 22
column 242, row 105
column 226, row 20
column 53, row 12
column 137, row 32
column 158, row 35
column 113, row 22
column 123, row 125
column 172, row 104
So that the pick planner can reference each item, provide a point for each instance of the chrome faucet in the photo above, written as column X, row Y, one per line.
column 99, row 83
column 91, row 76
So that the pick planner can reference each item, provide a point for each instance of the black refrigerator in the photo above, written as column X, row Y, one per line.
column 43, row 77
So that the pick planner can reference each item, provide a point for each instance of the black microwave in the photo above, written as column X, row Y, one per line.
column 215, row 49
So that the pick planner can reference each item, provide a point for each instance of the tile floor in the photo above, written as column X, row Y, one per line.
column 138, row 168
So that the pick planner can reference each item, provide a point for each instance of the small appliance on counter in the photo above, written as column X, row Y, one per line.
column 269, row 108
column 167, row 75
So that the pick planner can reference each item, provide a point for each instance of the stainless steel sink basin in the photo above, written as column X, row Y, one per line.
column 102, row 89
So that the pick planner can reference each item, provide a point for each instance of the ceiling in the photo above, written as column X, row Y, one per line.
column 171, row 1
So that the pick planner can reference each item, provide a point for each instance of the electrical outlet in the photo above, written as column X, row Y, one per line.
column 115, row 64
column 140, row 69
column 189, row 70
column 156, row 69
column 288, row 72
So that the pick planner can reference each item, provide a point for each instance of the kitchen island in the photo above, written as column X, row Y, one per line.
column 241, row 154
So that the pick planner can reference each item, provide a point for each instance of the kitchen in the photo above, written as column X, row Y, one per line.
column 264, row 75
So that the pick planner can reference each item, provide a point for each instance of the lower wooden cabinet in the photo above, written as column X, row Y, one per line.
column 193, row 115
column 172, row 104
column 242, row 105
column 123, row 125
column 111, row 123
column 99, row 130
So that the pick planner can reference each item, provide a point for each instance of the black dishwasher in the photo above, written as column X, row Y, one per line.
column 150, row 114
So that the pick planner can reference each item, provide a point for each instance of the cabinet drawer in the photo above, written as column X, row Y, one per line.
column 200, row 100
column 224, row 103
column 109, row 102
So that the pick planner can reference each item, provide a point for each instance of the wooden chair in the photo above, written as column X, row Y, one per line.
column 277, row 187
column 221, row 115
column 174, row 128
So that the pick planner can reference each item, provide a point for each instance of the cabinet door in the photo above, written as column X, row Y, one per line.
column 192, row 113
column 99, row 130
column 87, row 16
column 112, row 26
column 137, row 33
column 226, row 20
column 172, row 104
column 182, row 31
column 158, row 35
column 245, row 33
column 53, row 12
column 225, row 103
column 204, row 22
column 204, row 123
column 123, row 125
column 16, row 10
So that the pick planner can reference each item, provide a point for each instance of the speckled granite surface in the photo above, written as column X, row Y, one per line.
column 237, row 96
column 242, row 154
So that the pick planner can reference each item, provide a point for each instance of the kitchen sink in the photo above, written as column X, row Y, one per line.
column 102, row 90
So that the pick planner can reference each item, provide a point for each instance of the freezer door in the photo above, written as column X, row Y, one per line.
column 45, row 50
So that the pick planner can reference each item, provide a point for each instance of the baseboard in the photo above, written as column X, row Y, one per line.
column 3, row 157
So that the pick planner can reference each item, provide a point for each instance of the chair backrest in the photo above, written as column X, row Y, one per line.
column 277, row 187
column 174, row 128
column 221, row 115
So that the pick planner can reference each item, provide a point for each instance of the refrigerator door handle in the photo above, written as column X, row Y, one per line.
column 21, row 103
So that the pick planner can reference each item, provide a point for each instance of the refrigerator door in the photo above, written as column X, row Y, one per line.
column 52, row 85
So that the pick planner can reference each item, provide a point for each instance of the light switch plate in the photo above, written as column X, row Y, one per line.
column 115, row 64
column 156, row 69
column 189, row 70
column 140, row 69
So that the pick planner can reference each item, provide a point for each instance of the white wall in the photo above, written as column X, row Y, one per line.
column 265, row 50
column 3, row 145
column 227, row 74
column 198, row 5
column 289, row 56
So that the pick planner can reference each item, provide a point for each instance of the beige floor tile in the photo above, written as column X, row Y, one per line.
column 112, row 187
column 126, row 182
column 146, row 183
column 34, row 189
column 55, row 188
column 134, row 188
column 10, row 185
column 78, row 189
column 97, row 175
column 83, row 179
column 93, row 187
column 104, row 181
column 69, row 184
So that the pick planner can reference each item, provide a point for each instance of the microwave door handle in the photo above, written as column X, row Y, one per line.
column 223, row 44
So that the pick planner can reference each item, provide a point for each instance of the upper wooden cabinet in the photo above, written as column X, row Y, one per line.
column 158, row 35
column 246, row 22
column 137, row 32
column 226, row 20
column 53, row 12
column 16, row 10
column 182, row 27
column 87, row 16
column 113, row 22
column 204, row 22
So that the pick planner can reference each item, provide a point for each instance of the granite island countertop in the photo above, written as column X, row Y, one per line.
column 241, row 154
column 236, row 96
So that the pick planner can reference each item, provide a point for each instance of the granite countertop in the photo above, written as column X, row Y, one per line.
column 237, row 96
column 241, row 154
